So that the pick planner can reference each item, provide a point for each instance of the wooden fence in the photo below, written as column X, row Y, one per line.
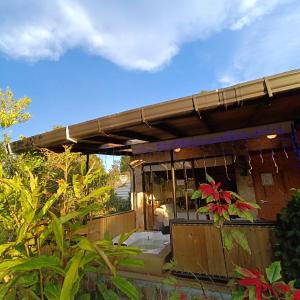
column 197, row 248
column 112, row 225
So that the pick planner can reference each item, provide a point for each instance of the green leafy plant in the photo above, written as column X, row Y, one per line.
column 253, row 284
column 45, row 257
column 223, row 205
column 12, row 111
column 176, row 293
column 288, row 238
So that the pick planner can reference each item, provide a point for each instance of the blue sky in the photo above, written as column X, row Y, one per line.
column 79, row 60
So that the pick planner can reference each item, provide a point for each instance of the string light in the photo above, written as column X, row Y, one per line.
column 249, row 160
column 225, row 163
column 274, row 161
column 234, row 153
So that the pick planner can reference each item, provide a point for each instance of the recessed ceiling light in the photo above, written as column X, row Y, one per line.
column 272, row 136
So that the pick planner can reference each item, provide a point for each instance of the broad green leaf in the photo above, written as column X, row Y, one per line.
column 4, row 288
column 209, row 178
column 274, row 271
column 85, row 297
column 174, row 295
column 67, row 292
column 7, row 265
column 216, row 218
column 170, row 280
column 237, row 196
column 232, row 209
column 106, row 294
column 130, row 261
column 61, row 189
column 196, row 194
column 125, row 236
column 28, row 279
column 76, row 185
column 210, row 199
column 254, row 204
column 105, row 258
column 126, row 287
column 252, row 295
column 85, row 244
column 80, row 213
column 52, row 291
column 5, row 247
column 203, row 210
column 37, row 262
column 226, row 215
column 58, row 231
column 227, row 240
column 95, row 194
column 248, row 215
column 241, row 240
column 238, row 295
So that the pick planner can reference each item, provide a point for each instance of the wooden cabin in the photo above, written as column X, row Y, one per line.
column 246, row 136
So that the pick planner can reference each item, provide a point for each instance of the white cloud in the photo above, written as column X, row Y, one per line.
column 134, row 34
column 269, row 46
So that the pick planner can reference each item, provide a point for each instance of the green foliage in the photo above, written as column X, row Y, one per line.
column 12, row 111
column 288, row 238
column 124, row 164
column 44, row 256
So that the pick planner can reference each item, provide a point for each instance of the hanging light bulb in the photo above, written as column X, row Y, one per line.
column 177, row 150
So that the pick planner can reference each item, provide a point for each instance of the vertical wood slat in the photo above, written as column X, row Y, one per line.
column 112, row 225
column 197, row 248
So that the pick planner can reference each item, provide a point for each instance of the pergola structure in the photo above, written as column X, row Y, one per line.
column 268, row 100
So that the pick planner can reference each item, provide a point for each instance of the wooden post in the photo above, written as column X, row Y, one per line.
column 186, row 192
column 173, row 184
column 144, row 199
column 196, row 186
column 133, row 190
column 152, row 197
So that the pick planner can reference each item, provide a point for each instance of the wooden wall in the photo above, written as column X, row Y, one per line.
column 197, row 248
column 113, row 225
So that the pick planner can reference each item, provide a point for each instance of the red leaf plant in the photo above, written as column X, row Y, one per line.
column 222, row 204
column 253, row 284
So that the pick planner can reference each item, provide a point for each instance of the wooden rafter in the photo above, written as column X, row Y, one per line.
column 166, row 127
column 136, row 135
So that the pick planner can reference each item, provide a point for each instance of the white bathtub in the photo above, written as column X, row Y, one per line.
column 151, row 242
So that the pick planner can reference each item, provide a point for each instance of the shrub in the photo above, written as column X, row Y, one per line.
column 288, row 236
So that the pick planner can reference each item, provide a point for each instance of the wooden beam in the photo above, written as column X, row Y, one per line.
column 136, row 135
column 165, row 127
column 213, row 138
column 206, row 119
column 258, row 112
column 100, row 139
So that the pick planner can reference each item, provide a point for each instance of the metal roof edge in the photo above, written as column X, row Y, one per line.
column 245, row 91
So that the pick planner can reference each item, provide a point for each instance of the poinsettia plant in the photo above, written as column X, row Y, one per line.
column 253, row 284
column 223, row 205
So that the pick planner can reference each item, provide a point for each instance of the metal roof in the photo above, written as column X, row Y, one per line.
column 258, row 102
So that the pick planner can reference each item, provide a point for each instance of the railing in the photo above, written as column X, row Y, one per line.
column 112, row 225
column 197, row 248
